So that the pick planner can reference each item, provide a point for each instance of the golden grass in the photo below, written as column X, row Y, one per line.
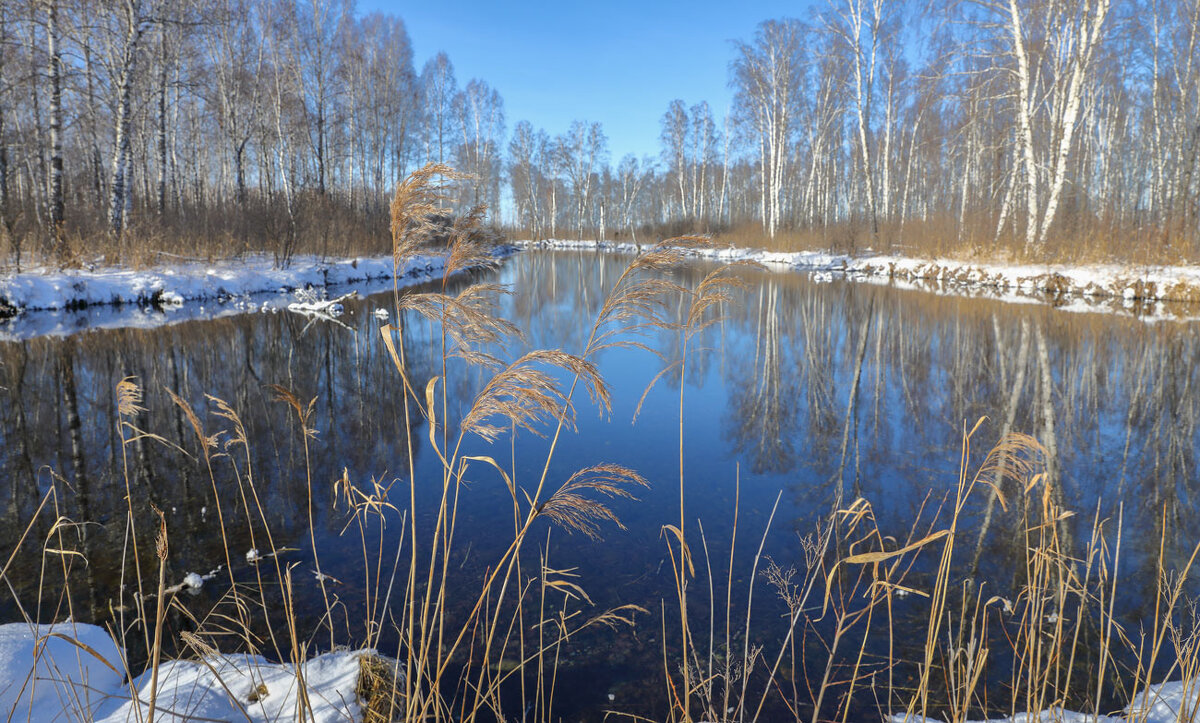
column 380, row 689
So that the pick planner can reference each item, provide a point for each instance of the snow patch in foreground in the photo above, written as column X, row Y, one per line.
column 1164, row 703
column 71, row 671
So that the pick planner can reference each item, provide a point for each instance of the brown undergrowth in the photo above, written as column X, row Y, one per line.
column 313, row 224
column 975, row 240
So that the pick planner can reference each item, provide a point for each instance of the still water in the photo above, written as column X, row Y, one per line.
column 802, row 393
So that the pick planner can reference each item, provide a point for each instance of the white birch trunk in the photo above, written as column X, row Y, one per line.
column 120, row 197
column 1088, row 38
column 1025, row 121
column 55, row 181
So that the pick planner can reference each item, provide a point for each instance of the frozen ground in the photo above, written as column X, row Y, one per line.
column 1145, row 291
column 45, row 302
column 70, row 672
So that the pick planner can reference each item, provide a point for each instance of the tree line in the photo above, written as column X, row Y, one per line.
column 256, row 120
column 284, row 124
column 1038, row 126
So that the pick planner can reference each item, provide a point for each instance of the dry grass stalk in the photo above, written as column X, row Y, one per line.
column 420, row 197
column 380, row 689
column 572, row 508
column 523, row 394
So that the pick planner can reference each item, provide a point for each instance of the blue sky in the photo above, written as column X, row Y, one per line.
column 619, row 62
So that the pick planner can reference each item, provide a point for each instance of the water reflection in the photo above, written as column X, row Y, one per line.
column 823, row 391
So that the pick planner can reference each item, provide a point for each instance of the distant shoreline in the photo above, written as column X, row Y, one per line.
column 1144, row 291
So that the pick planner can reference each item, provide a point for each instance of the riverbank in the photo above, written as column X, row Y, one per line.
column 1149, row 292
column 50, row 302
column 53, row 302
column 44, row 289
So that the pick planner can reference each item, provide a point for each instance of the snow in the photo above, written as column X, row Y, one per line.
column 1163, row 703
column 42, row 671
column 1054, row 715
column 69, row 671
column 61, row 303
column 1166, row 702
column 1090, row 287
column 192, row 281
column 261, row 691
column 46, row 677
column 114, row 297
column 311, row 303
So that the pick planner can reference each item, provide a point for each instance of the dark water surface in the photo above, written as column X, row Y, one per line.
column 765, row 417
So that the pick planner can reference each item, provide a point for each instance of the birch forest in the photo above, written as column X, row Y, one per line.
column 1063, row 127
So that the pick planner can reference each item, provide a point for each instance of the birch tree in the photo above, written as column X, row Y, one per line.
column 438, row 88
column 703, row 143
column 766, row 81
column 54, row 72
column 583, row 150
column 480, row 119
column 523, row 176
column 235, row 54
column 857, row 23
column 1052, row 49
column 130, row 23
column 674, row 139
column 6, row 92
column 318, row 30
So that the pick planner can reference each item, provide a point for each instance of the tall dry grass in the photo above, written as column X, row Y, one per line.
column 879, row 625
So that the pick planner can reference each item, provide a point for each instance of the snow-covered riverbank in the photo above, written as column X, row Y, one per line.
column 1146, row 291
column 46, row 302
column 44, row 289
column 70, row 671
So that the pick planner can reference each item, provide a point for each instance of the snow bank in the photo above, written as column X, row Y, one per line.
column 44, row 676
column 192, row 281
column 1165, row 703
column 42, row 672
column 118, row 298
column 1054, row 715
column 69, row 671
column 1092, row 287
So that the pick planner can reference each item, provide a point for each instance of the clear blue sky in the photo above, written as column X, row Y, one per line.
column 618, row 62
